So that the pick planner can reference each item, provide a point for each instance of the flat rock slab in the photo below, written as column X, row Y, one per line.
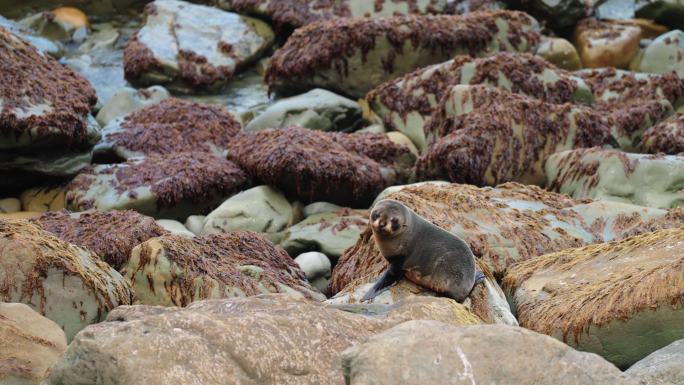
column 485, row 136
column 172, row 186
column 174, row 270
column 666, row 137
column 622, row 300
column 434, row 353
column 352, row 56
column 189, row 47
column 310, row 165
column 595, row 173
column 269, row 339
column 111, row 235
column 404, row 104
column 170, row 126
column 65, row 283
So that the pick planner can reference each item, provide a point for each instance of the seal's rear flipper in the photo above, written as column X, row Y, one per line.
column 479, row 277
column 392, row 275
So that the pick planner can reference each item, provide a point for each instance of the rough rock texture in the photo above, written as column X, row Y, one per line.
column 662, row 367
column 171, row 186
column 435, row 353
column 111, row 235
column 605, row 44
column 63, row 282
column 622, row 300
column 311, row 165
column 41, row 199
column 560, row 53
column 193, row 47
column 666, row 137
column 31, row 345
column 633, row 102
column 175, row 270
column 646, row 180
column 168, row 127
column 270, row 340
column 127, row 100
column 665, row 54
column 405, row 104
column 486, row 136
column 505, row 225
column 352, row 56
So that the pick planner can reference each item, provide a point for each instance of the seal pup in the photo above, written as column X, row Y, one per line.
column 422, row 252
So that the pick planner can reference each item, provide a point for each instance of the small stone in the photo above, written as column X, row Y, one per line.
column 10, row 205
column 314, row 265
column 403, row 140
column 175, row 227
column 665, row 54
column 41, row 199
column 560, row 53
column 71, row 16
column 127, row 100
column 195, row 223
column 605, row 44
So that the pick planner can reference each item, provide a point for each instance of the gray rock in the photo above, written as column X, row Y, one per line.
column 314, row 265
column 195, row 223
column 127, row 100
column 175, row 227
column 44, row 45
column 665, row 54
column 10, row 205
column 320, row 208
column 434, row 353
column 662, row 367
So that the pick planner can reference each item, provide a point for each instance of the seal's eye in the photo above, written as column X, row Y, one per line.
column 375, row 215
column 395, row 224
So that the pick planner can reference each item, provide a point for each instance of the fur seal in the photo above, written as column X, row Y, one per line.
column 422, row 252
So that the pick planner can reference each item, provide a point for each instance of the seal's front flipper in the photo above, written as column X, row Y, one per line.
column 479, row 277
column 392, row 275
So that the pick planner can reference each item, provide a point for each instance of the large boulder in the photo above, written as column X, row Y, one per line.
column 666, row 137
column 272, row 340
column 111, row 235
column 352, row 56
column 662, row 367
column 176, row 270
column 435, row 353
column 171, row 186
column 65, row 283
column 622, row 300
column 505, row 225
column 45, row 124
column 190, row 47
column 665, row 54
column 171, row 126
column 31, row 345
column 486, row 136
column 595, row 173
column 406, row 103
column 310, row 165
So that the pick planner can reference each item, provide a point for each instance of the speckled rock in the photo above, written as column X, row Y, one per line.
column 31, row 345
column 127, row 100
column 352, row 56
column 560, row 53
column 168, row 127
column 405, row 104
column 665, row 54
column 111, row 235
column 666, row 137
column 317, row 109
column 486, row 136
column 170, row 186
column 662, row 367
column 646, row 180
column 330, row 233
column 435, row 353
column 43, row 199
column 622, row 300
column 317, row 268
column 275, row 339
column 63, row 282
column 171, row 50
column 633, row 102
column 309, row 165
column 604, row 44
column 505, row 225
column 175, row 270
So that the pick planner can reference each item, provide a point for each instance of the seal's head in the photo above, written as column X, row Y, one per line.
column 389, row 218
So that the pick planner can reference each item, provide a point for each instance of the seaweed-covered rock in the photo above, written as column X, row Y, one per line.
column 633, row 101
column 193, row 47
column 486, row 136
column 63, row 282
column 560, row 53
column 646, row 180
column 622, row 300
column 352, row 56
column 31, row 345
column 666, row 137
column 406, row 103
column 273, row 338
column 173, row 270
column 127, row 100
column 505, row 225
column 171, row 186
column 605, row 44
column 665, row 54
column 436, row 353
column 317, row 109
column 111, row 235
column 44, row 45
column 171, row 126
column 330, row 233
column 314, row 166
column 662, row 367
